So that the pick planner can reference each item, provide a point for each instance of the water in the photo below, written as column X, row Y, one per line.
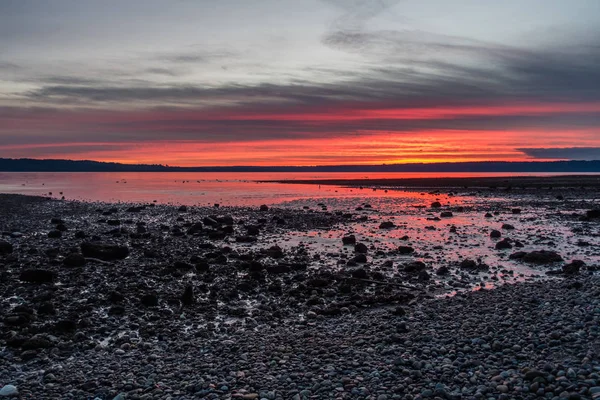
column 191, row 188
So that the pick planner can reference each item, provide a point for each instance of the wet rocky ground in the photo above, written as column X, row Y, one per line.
column 319, row 299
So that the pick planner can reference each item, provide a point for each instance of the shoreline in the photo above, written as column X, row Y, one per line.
column 260, row 321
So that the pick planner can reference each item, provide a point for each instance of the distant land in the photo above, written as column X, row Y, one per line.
column 34, row 165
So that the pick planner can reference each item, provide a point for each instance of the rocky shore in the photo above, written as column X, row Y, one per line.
column 145, row 301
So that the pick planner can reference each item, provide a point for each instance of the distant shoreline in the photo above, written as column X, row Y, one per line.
column 575, row 167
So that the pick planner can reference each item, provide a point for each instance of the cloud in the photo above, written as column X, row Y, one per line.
column 568, row 153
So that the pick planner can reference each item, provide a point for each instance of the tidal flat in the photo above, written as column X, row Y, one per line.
column 448, row 292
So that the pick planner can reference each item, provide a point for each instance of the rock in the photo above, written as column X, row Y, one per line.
column 517, row 256
column 436, row 204
column 246, row 239
column 503, row 244
column 468, row 264
column 494, row 234
column 593, row 214
column 195, row 228
column 104, row 251
column 446, row 214
column 542, row 257
column 443, row 270
column 360, row 258
column 488, row 215
column 55, row 234
column 507, row 226
column 386, row 225
column 415, row 266
column 350, row 239
column 573, row 267
column 275, row 252
column 149, row 300
column 533, row 374
column 182, row 209
column 36, row 342
column 405, row 249
column 264, row 207
column 424, row 276
column 516, row 211
column 37, row 276
column 361, row 248
column 74, row 260
column 5, row 248
column 187, row 298
column 359, row 273
column 9, row 391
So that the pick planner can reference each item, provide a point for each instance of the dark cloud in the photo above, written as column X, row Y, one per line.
column 569, row 153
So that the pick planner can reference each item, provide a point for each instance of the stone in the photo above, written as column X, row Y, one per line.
column 9, row 391
column 573, row 267
column 503, row 244
column 187, row 298
column 55, row 234
column 264, row 207
column 542, row 257
column 507, row 227
column 360, row 248
column 348, row 240
column 5, row 248
column 149, row 300
column 104, row 251
column 37, row 276
column 386, row 225
column 74, row 260
column 436, row 204
column 446, row 214
column 443, row 270
column 495, row 234
column 405, row 249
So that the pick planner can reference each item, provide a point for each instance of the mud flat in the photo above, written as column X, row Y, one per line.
column 513, row 182
column 145, row 301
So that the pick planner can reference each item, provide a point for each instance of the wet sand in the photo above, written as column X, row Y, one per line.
column 526, row 182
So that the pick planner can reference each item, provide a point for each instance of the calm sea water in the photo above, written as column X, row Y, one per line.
column 192, row 188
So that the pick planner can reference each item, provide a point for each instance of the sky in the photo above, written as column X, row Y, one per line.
column 311, row 82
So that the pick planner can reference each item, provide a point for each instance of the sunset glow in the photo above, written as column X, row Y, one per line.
column 361, row 82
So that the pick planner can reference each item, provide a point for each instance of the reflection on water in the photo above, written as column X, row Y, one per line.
column 193, row 188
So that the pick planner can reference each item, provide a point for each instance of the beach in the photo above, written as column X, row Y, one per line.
column 450, row 294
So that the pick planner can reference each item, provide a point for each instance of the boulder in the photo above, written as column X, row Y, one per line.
column 5, row 248
column 104, row 251
column 74, row 260
column 503, row 244
column 350, row 239
column 436, row 204
column 361, row 248
column 386, row 225
column 37, row 276
column 405, row 249
column 573, row 268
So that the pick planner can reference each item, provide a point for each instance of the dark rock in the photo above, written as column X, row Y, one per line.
column 182, row 265
column 115, row 297
column 275, row 252
column 436, row 204
column 195, row 228
column 80, row 235
column 405, row 249
column 56, row 221
column 182, row 209
column 503, row 244
column 507, row 226
column 246, row 239
column 149, row 300
column 443, row 270
column 361, row 248
column 542, row 257
column 253, row 230
column 359, row 273
column 360, row 258
column 104, row 251
column 446, row 214
column 36, row 342
column 65, row 325
column 5, row 248
column 264, row 207
column 573, row 267
column 415, row 266
column 37, row 276
column 386, row 225
column 187, row 298
column 55, row 234
column 424, row 276
column 468, row 264
column 46, row 308
column 61, row 227
column 593, row 214
column 278, row 269
column 494, row 234
column 488, row 215
column 518, row 255
column 74, row 260
column 516, row 211
column 348, row 240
